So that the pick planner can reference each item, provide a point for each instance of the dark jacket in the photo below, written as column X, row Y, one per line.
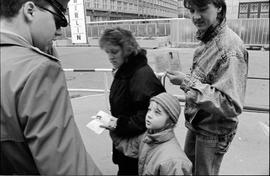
column 38, row 131
column 133, row 85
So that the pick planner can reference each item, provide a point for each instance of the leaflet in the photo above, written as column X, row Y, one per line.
column 101, row 118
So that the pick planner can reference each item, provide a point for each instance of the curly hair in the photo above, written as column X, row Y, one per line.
column 120, row 37
column 202, row 3
column 10, row 8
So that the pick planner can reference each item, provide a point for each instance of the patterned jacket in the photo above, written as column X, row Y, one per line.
column 215, row 87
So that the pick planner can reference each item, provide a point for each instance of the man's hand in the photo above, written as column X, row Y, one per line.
column 176, row 77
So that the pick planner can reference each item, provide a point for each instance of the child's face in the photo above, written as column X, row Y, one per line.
column 156, row 117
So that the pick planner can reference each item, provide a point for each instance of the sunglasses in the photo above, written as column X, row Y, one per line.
column 59, row 16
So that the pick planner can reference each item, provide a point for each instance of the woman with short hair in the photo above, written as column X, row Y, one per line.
column 133, row 85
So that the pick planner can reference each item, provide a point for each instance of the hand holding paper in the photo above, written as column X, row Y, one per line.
column 101, row 122
column 111, row 125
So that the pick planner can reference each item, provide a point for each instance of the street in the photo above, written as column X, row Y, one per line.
column 249, row 151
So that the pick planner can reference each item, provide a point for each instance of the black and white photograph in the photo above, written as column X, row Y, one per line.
column 134, row 87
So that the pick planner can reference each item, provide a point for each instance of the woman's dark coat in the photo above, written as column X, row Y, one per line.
column 133, row 86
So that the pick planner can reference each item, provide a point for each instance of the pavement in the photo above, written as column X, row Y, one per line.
column 249, row 151
column 247, row 155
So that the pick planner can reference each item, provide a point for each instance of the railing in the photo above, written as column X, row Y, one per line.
column 251, row 31
column 162, row 78
column 181, row 31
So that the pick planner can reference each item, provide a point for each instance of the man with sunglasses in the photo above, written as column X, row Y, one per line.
column 38, row 131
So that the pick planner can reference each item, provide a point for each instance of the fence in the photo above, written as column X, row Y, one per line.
column 139, row 27
column 180, row 30
column 162, row 78
column 251, row 31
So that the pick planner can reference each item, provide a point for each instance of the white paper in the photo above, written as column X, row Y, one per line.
column 101, row 118
column 94, row 125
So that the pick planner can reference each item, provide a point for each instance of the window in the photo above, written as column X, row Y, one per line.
column 254, row 7
column 265, row 7
column 104, row 4
column 96, row 4
column 253, row 15
column 243, row 8
column 119, row 7
column 264, row 15
column 113, row 6
column 125, row 7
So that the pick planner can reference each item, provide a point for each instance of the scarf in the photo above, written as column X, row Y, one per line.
column 210, row 33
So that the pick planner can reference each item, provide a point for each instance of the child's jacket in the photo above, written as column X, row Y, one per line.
column 159, row 153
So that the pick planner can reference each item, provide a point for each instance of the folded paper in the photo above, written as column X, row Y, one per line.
column 101, row 118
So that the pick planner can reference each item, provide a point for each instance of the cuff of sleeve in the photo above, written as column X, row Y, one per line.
column 187, row 83
column 116, row 140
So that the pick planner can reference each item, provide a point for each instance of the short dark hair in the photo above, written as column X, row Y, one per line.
column 10, row 8
column 121, row 37
column 202, row 3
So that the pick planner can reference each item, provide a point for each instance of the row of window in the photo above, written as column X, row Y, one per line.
column 133, row 6
column 163, row 3
column 254, row 10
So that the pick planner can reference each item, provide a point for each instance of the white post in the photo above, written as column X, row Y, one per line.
column 106, row 91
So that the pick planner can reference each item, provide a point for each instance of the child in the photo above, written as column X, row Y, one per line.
column 158, row 150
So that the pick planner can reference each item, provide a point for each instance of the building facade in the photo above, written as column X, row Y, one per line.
column 182, row 11
column 105, row 10
column 237, row 9
column 247, row 9
column 253, row 9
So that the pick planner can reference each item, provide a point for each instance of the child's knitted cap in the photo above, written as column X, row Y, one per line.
column 170, row 104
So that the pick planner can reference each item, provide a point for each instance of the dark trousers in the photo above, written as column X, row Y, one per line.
column 206, row 152
column 129, row 167
column 126, row 165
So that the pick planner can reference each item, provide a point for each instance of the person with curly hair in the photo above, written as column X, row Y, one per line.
column 133, row 85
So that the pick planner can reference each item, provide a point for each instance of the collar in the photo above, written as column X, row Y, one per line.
column 134, row 62
column 11, row 38
column 211, row 32
column 159, row 137
column 8, row 38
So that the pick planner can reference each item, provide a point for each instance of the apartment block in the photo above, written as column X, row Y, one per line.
column 105, row 10
column 237, row 9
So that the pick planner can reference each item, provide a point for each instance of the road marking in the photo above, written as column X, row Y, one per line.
column 86, row 96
